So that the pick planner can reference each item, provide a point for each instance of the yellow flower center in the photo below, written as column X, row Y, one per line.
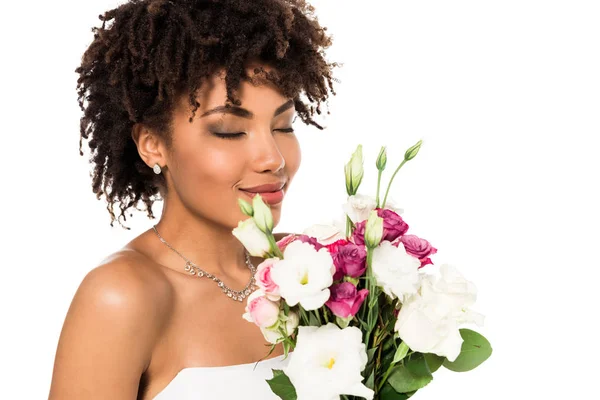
column 330, row 363
column 304, row 278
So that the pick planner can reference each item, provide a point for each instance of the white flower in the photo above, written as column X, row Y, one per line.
column 429, row 320
column 327, row 362
column 359, row 206
column 395, row 271
column 289, row 324
column 253, row 239
column 391, row 205
column 304, row 275
column 324, row 233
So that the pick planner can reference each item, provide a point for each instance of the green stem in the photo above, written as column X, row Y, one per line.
column 303, row 316
column 319, row 317
column 378, row 185
column 274, row 248
column 391, row 180
column 349, row 226
column 325, row 316
column 385, row 376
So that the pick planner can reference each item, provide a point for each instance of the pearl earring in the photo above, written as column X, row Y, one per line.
column 156, row 169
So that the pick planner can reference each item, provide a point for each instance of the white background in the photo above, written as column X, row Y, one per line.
column 505, row 95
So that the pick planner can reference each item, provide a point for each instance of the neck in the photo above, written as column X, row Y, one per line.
column 209, row 245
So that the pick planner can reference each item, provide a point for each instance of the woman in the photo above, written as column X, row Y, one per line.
column 191, row 102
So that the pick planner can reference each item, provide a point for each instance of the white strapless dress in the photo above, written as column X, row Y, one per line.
column 242, row 381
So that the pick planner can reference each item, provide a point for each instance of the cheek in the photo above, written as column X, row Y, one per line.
column 211, row 167
column 293, row 156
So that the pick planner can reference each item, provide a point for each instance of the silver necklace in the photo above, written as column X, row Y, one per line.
column 193, row 269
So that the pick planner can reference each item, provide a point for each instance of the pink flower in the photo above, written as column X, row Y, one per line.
column 417, row 247
column 345, row 300
column 332, row 247
column 310, row 240
column 264, row 281
column 283, row 242
column 260, row 310
column 393, row 224
column 359, row 233
column 349, row 260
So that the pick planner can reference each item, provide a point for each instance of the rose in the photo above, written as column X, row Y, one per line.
column 264, row 280
column 358, row 236
column 393, row 224
column 395, row 271
column 260, row 310
column 417, row 247
column 324, row 233
column 253, row 239
column 358, row 207
column 349, row 260
column 345, row 300
column 429, row 320
column 283, row 242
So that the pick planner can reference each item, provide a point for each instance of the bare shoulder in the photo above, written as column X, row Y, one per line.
column 111, row 327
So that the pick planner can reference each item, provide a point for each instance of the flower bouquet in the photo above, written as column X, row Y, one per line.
column 354, row 303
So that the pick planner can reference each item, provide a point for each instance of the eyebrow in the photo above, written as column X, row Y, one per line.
column 242, row 112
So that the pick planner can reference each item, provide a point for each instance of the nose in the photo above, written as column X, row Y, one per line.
column 267, row 155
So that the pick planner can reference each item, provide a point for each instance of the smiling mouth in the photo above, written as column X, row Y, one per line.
column 270, row 198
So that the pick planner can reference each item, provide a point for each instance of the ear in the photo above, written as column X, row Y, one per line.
column 149, row 145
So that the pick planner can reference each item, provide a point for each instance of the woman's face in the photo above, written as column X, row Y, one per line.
column 221, row 152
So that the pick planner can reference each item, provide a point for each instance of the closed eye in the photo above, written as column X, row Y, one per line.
column 288, row 130
column 238, row 134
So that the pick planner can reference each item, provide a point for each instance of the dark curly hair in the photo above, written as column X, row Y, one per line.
column 149, row 53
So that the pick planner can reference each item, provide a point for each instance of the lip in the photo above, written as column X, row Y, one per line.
column 269, row 187
column 269, row 197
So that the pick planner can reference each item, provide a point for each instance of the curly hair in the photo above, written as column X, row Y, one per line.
column 149, row 53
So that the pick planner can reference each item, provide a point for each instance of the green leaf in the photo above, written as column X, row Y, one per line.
column 388, row 393
column 433, row 361
column 401, row 352
column 313, row 320
column 417, row 365
column 370, row 354
column 282, row 386
column 370, row 383
column 474, row 351
column 404, row 380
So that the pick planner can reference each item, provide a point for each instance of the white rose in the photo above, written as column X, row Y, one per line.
column 327, row 362
column 253, row 239
column 429, row 320
column 359, row 206
column 395, row 271
column 324, row 233
column 304, row 275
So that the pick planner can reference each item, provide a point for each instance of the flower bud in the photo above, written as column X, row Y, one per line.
column 412, row 152
column 246, row 207
column 373, row 230
column 354, row 171
column 262, row 214
column 381, row 159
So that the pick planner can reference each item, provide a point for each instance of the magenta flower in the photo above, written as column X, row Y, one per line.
column 310, row 240
column 350, row 260
column 345, row 300
column 393, row 224
column 417, row 247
